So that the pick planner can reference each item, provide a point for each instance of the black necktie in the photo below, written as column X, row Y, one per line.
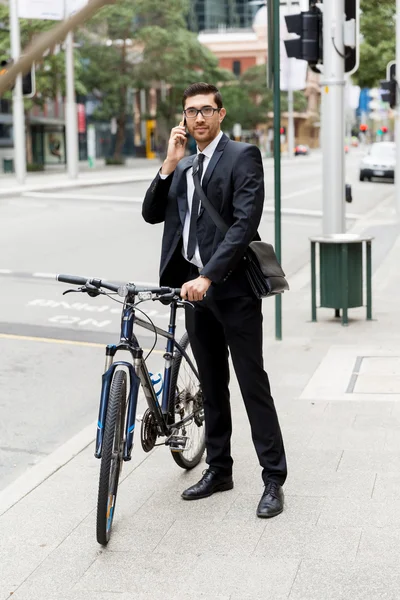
column 195, row 210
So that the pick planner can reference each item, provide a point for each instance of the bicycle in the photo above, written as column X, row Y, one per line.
column 179, row 418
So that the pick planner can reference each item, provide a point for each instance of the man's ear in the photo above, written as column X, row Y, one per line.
column 222, row 114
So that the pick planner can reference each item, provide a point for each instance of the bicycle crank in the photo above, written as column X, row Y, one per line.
column 148, row 430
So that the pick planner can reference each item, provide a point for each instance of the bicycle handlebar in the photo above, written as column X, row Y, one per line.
column 122, row 289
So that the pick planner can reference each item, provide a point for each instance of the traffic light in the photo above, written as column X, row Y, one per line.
column 3, row 67
column 28, row 80
column 388, row 92
column 28, row 84
column 308, row 27
column 384, row 129
column 363, row 127
column 352, row 36
column 282, row 130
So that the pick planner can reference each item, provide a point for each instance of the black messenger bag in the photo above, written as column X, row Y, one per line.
column 263, row 271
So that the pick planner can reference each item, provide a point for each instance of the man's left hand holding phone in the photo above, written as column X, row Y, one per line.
column 176, row 148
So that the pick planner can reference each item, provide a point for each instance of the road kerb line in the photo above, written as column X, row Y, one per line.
column 35, row 476
column 28, row 338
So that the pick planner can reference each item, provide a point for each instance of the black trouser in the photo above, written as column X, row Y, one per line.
column 213, row 326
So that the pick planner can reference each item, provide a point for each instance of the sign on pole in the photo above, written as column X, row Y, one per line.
column 237, row 131
column 91, row 145
column 52, row 10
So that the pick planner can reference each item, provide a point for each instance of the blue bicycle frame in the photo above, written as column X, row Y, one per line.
column 138, row 375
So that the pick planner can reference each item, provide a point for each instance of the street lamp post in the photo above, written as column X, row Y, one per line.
column 71, row 113
column 397, row 111
column 18, row 100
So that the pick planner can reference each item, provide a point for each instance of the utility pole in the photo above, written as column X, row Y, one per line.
column 71, row 115
column 333, row 83
column 397, row 113
column 18, row 100
column 277, row 154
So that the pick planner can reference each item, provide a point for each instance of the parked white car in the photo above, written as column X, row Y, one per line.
column 379, row 162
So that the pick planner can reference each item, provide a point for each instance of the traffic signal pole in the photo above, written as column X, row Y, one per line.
column 71, row 114
column 397, row 113
column 333, row 124
column 17, row 100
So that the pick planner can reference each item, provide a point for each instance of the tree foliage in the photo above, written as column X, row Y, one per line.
column 378, row 45
column 49, row 72
column 150, row 47
column 248, row 100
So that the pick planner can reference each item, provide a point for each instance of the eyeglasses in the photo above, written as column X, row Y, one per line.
column 206, row 111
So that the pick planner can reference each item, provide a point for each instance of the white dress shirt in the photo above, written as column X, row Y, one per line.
column 208, row 152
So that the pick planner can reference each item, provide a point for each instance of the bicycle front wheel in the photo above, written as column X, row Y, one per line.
column 111, row 456
column 187, row 400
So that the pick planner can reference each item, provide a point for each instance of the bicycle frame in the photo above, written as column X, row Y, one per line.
column 139, row 375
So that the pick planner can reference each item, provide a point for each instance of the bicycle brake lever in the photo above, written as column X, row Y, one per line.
column 184, row 302
column 70, row 291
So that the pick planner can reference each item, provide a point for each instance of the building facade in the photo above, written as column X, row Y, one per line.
column 208, row 15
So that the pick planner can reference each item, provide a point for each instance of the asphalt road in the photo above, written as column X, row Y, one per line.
column 49, row 387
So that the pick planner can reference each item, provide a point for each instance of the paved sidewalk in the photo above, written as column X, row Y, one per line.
column 135, row 169
column 337, row 390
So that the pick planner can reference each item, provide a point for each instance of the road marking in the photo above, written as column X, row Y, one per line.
column 44, row 275
column 63, row 196
column 316, row 188
column 304, row 212
column 38, row 275
column 27, row 338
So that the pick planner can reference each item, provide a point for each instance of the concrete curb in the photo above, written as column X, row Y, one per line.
column 35, row 476
column 73, row 184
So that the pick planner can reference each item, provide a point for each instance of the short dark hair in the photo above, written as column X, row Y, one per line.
column 202, row 88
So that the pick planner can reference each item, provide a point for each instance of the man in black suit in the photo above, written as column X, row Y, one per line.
column 209, row 267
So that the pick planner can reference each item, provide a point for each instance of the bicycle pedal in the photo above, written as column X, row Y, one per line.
column 178, row 443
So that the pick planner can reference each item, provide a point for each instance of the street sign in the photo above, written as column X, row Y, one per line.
column 237, row 130
column 52, row 10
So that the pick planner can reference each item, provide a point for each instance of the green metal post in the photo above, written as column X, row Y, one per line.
column 277, row 156
column 369, row 282
column 345, row 283
column 313, row 285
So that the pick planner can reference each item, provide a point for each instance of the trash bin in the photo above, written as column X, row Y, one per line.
column 8, row 165
column 341, row 268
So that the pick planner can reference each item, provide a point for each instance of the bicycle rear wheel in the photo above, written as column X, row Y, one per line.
column 111, row 456
column 187, row 399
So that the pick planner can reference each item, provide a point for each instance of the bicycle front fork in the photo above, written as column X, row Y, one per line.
column 134, row 381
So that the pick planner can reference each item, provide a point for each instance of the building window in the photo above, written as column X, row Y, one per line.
column 236, row 67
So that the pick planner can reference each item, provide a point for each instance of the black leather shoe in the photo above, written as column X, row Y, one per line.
column 271, row 503
column 210, row 483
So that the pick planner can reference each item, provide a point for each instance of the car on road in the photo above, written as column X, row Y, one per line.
column 379, row 162
column 301, row 150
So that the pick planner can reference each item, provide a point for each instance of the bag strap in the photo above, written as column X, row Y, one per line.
column 214, row 214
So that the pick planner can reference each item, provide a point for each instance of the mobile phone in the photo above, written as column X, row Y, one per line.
column 186, row 131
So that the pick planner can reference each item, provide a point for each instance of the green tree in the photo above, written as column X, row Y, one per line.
column 248, row 101
column 378, row 45
column 50, row 72
column 154, row 46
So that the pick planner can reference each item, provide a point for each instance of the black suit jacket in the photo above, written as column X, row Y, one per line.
column 234, row 184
